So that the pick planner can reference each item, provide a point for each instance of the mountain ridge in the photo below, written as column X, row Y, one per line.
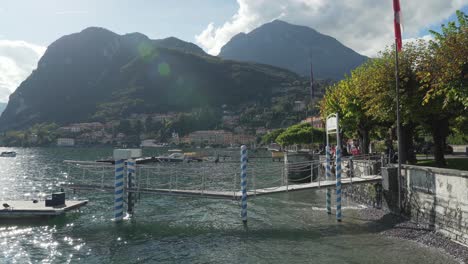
column 293, row 47
column 2, row 107
column 98, row 74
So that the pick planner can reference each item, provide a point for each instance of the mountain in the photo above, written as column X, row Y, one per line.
column 292, row 47
column 2, row 107
column 175, row 43
column 98, row 75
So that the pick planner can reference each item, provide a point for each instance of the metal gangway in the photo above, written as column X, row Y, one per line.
column 230, row 179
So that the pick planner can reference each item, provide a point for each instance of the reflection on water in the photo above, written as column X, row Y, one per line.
column 284, row 228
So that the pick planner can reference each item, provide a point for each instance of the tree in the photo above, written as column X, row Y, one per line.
column 346, row 99
column 444, row 77
column 433, row 91
column 445, row 73
column 271, row 137
column 302, row 133
column 380, row 94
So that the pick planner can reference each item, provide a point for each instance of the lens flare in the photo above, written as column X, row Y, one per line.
column 164, row 69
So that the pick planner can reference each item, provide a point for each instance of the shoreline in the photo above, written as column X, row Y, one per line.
column 402, row 228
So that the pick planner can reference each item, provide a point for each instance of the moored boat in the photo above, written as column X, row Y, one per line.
column 174, row 157
column 8, row 154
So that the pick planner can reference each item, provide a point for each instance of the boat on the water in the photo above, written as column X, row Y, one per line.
column 174, row 157
column 8, row 154
column 181, row 157
column 174, row 150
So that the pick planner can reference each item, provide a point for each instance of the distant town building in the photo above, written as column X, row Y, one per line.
column 65, row 142
column 217, row 137
column 315, row 121
column 80, row 127
column 209, row 137
column 164, row 117
column 240, row 130
column 151, row 143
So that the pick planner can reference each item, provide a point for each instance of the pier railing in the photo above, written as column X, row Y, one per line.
column 223, row 180
column 205, row 177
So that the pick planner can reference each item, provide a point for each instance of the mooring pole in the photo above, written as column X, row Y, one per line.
column 244, row 183
column 338, row 172
column 130, row 184
column 118, row 190
column 286, row 169
column 327, row 176
column 120, row 155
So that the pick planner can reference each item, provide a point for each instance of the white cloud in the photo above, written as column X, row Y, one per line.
column 364, row 25
column 17, row 60
column 425, row 38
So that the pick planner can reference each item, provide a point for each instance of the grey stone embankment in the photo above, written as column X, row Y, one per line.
column 402, row 228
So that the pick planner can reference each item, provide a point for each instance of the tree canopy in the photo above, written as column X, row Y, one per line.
column 433, row 90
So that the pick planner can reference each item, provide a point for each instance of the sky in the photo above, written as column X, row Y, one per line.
column 27, row 27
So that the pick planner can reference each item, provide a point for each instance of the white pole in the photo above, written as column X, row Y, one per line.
column 286, row 170
column 327, row 175
column 244, row 183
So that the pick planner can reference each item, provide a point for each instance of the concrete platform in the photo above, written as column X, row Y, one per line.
column 28, row 209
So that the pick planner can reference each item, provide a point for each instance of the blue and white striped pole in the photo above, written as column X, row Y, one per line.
column 338, row 172
column 244, row 183
column 328, row 176
column 131, row 184
column 119, row 190
column 338, row 184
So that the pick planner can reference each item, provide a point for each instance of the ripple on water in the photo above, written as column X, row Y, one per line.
column 286, row 228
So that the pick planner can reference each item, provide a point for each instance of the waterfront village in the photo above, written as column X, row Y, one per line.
column 111, row 133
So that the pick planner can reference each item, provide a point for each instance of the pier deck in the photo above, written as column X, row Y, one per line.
column 28, row 209
column 236, row 195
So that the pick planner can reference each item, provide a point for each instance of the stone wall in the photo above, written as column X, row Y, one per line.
column 367, row 194
column 434, row 198
column 438, row 199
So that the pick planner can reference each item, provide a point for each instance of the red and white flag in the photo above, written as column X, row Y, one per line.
column 397, row 23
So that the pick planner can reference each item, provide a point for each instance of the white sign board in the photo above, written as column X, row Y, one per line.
column 331, row 123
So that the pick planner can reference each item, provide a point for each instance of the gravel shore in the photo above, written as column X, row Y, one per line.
column 402, row 228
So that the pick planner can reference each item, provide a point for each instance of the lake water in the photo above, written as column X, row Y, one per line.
column 283, row 228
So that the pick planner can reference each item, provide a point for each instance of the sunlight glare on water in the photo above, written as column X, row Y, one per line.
column 284, row 228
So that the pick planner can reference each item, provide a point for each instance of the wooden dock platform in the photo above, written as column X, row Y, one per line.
column 236, row 195
column 28, row 209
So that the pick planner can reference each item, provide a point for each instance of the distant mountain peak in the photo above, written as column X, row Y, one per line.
column 136, row 35
column 279, row 22
column 290, row 46
column 175, row 43
column 96, row 30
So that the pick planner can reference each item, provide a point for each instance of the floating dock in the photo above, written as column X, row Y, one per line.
column 28, row 209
